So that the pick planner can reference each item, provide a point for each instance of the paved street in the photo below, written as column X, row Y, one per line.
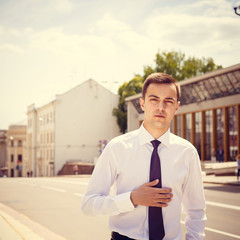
column 54, row 203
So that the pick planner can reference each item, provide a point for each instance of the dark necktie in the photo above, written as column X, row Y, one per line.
column 155, row 219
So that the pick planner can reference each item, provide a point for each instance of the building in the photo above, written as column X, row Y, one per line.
column 3, row 152
column 16, row 150
column 40, row 139
column 208, row 116
column 69, row 128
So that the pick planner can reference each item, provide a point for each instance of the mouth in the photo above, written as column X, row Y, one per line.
column 159, row 116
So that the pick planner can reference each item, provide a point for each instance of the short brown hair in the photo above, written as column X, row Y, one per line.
column 159, row 78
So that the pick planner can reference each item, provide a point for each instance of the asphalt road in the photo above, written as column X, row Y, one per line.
column 55, row 204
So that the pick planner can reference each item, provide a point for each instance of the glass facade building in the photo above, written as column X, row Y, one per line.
column 208, row 116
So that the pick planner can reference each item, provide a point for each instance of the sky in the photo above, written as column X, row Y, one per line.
column 47, row 47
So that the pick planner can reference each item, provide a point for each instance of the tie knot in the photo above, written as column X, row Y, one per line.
column 155, row 143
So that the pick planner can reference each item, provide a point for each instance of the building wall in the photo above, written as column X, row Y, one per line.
column 31, row 164
column 16, row 151
column 40, row 140
column 45, row 139
column 3, row 152
column 83, row 118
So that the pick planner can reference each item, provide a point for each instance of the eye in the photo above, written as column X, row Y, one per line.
column 169, row 100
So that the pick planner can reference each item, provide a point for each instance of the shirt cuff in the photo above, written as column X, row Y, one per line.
column 123, row 202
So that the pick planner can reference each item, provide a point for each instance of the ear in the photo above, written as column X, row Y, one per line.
column 141, row 100
column 178, row 103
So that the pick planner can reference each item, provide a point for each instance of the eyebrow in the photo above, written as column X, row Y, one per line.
column 167, row 98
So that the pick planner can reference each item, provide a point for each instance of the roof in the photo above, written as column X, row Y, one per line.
column 216, row 84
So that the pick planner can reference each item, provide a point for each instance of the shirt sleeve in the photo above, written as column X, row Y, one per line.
column 97, row 199
column 194, row 201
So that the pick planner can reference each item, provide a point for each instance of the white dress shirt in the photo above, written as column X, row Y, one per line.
column 124, row 165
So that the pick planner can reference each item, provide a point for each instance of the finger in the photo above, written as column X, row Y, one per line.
column 163, row 190
column 159, row 204
column 153, row 183
column 164, row 195
column 159, row 198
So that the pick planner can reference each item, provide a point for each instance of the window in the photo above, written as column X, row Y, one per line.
column 12, row 158
column 51, row 117
column 19, row 158
column 188, row 126
column 232, row 126
column 220, row 128
column 208, row 138
column 198, row 131
column 19, row 143
column 179, row 125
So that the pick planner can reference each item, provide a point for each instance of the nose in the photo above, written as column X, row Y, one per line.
column 161, row 105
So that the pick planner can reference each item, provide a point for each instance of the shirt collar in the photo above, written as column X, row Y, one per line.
column 146, row 137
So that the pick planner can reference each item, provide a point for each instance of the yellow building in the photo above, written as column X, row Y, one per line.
column 16, row 150
column 3, row 153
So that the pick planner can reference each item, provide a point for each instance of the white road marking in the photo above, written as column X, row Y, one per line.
column 223, row 233
column 216, row 204
column 78, row 194
column 220, row 232
column 72, row 182
column 53, row 188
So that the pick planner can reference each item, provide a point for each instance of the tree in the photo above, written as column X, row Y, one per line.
column 173, row 63
column 176, row 64
column 130, row 88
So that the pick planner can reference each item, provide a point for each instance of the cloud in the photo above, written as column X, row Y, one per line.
column 10, row 48
column 62, row 6
column 121, row 33
column 110, row 25
column 202, row 28
column 54, row 40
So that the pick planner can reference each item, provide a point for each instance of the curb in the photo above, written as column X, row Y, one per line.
column 235, row 184
column 18, row 226
column 16, row 230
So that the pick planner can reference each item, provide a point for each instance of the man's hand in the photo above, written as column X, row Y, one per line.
column 148, row 195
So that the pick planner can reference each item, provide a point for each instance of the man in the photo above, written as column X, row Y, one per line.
column 126, row 164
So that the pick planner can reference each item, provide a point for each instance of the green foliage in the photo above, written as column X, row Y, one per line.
column 130, row 88
column 172, row 63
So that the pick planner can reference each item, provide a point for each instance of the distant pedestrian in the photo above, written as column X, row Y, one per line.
column 220, row 154
column 238, row 165
column 75, row 169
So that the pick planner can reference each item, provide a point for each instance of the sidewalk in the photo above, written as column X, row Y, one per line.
column 15, row 226
column 224, row 180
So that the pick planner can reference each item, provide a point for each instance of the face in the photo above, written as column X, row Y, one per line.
column 159, row 106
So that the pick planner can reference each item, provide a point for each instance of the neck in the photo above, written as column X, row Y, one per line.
column 155, row 132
